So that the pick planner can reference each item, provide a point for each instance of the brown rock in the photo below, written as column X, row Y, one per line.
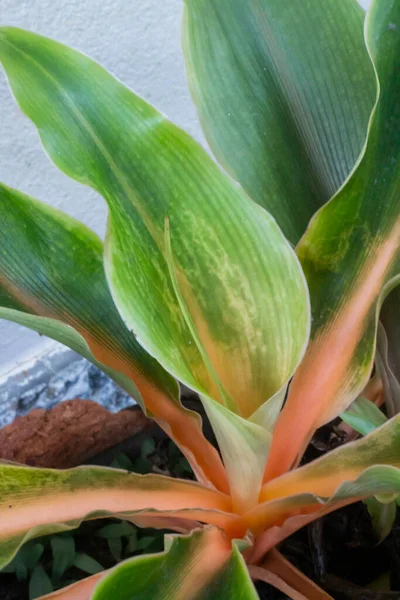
column 69, row 434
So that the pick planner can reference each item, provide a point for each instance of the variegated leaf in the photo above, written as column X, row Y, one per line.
column 202, row 565
column 284, row 90
column 36, row 502
column 358, row 470
column 350, row 255
column 52, row 280
column 239, row 277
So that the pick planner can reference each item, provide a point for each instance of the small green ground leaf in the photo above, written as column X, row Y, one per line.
column 382, row 516
column 145, row 542
column 116, row 530
column 122, row 461
column 39, row 583
column 63, row 552
column 147, row 448
column 132, row 543
column 86, row 563
column 115, row 548
column 363, row 416
column 26, row 560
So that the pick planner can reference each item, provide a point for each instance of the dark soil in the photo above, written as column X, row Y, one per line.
column 340, row 553
column 12, row 589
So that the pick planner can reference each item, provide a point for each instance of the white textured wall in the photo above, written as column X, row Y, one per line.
column 139, row 41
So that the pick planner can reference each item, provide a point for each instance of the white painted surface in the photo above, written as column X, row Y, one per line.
column 137, row 40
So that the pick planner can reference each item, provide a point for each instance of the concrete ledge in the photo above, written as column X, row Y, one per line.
column 55, row 375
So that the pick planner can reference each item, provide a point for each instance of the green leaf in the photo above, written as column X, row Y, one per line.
column 173, row 452
column 202, row 565
column 147, row 448
column 244, row 447
column 86, row 563
column 115, row 548
column 20, row 568
column 267, row 414
column 284, row 90
column 363, row 416
column 116, row 530
column 132, row 543
column 52, row 280
column 26, row 560
column 122, row 461
column 36, row 502
column 382, row 516
column 8, row 568
column 350, row 256
column 388, row 351
column 254, row 325
column 143, row 466
column 63, row 552
column 144, row 542
column 182, row 468
column 80, row 590
column 39, row 583
column 243, row 444
column 32, row 556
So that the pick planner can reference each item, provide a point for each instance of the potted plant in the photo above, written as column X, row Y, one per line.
column 199, row 280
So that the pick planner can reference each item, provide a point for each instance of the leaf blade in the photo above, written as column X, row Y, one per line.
column 37, row 502
column 363, row 416
column 351, row 260
column 244, row 446
column 201, row 565
column 52, row 280
column 382, row 516
column 63, row 553
column 39, row 583
column 284, row 92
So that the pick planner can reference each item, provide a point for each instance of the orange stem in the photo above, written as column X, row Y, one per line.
column 261, row 574
column 280, row 566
